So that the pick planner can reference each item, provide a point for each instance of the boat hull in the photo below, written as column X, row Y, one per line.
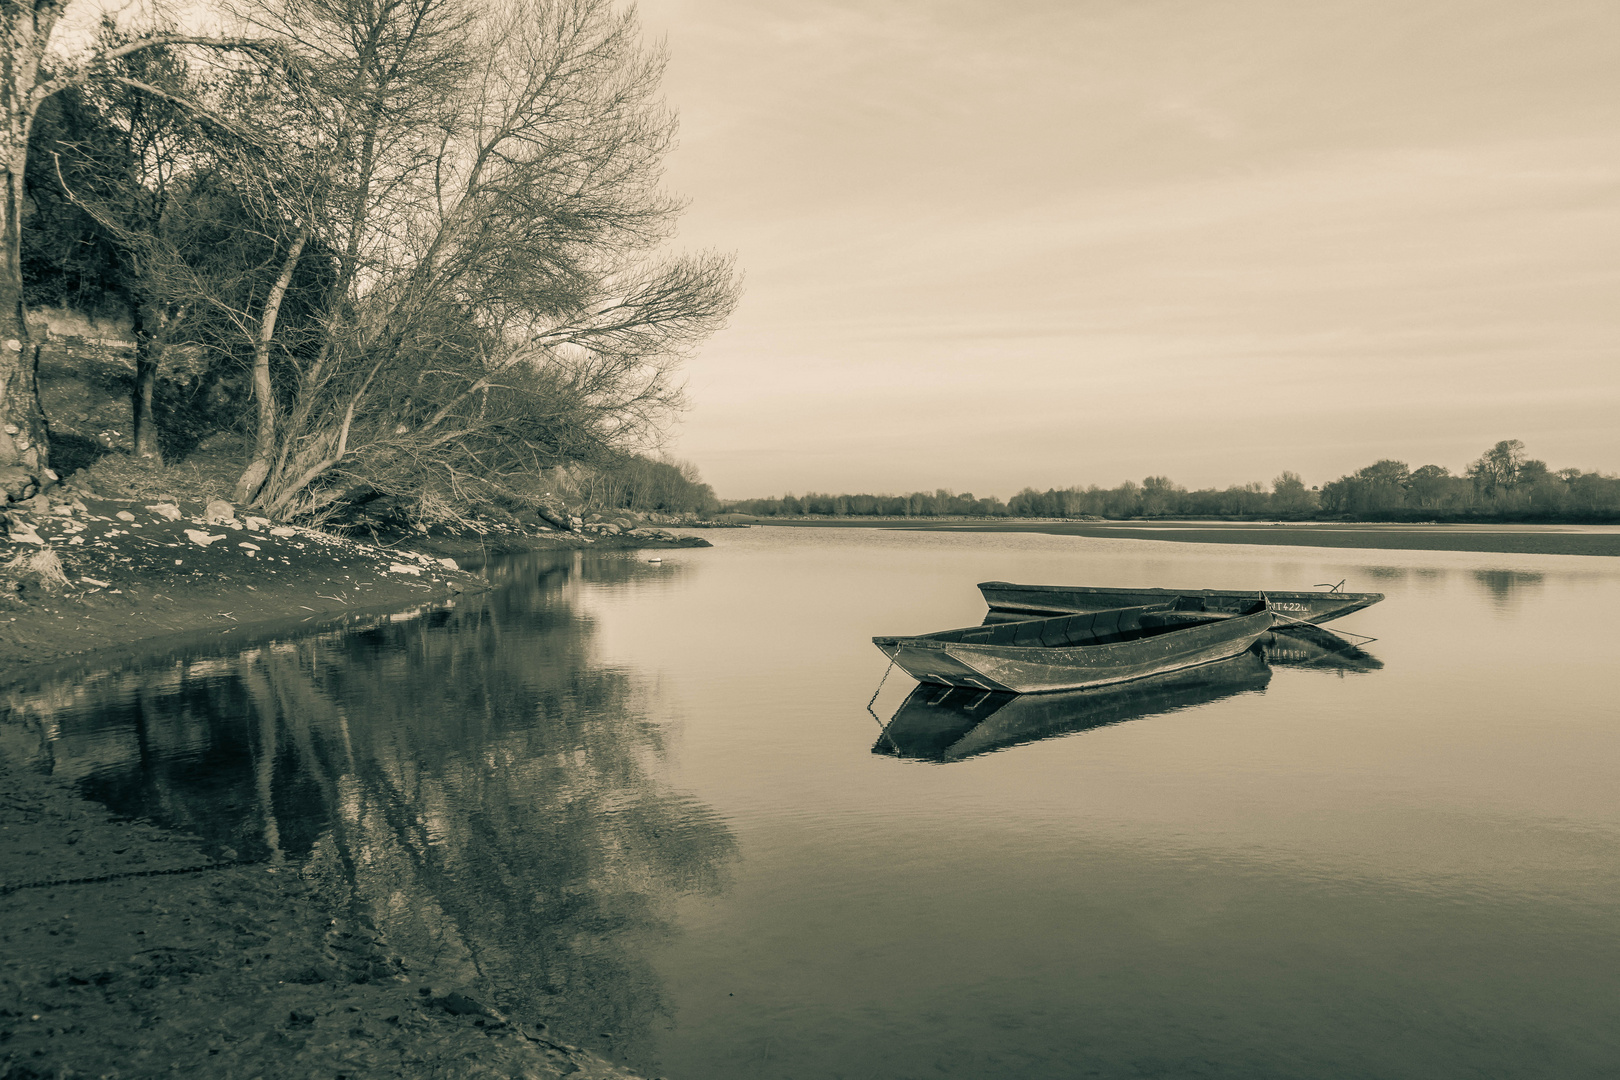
column 1044, row 600
column 947, row 724
column 1035, row 668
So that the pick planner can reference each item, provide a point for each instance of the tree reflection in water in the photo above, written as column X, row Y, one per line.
column 470, row 779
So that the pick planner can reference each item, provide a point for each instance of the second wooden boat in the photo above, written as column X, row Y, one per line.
column 1069, row 652
column 1025, row 601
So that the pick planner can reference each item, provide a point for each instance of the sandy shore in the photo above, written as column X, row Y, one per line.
column 1509, row 539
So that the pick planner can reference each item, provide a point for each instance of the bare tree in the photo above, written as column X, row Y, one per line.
column 490, row 177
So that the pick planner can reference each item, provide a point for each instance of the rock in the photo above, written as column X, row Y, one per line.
column 202, row 539
column 124, row 515
column 47, row 479
column 283, row 532
column 166, row 510
column 249, row 547
column 462, row 1005
column 14, row 480
column 22, row 532
column 550, row 509
column 40, row 504
column 255, row 524
column 450, row 564
column 401, row 568
column 219, row 512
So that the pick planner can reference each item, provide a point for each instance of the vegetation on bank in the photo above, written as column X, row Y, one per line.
column 415, row 253
column 1502, row 485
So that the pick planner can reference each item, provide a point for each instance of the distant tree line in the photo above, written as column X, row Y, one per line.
column 1502, row 484
column 939, row 503
column 640, row 483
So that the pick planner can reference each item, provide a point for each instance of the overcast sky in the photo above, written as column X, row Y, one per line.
column 991, row 245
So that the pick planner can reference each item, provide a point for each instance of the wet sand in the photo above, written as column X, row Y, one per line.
column 1596, row 540
column 125, row 952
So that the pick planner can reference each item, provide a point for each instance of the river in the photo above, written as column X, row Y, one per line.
column 648, row 801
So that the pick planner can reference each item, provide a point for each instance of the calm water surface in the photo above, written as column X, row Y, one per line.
column 648, row 801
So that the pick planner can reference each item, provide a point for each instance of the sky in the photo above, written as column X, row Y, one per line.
column 997, row 245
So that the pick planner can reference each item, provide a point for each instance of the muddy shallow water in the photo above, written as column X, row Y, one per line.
column 647, row 802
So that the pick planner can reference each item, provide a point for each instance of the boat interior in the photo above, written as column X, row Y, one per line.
column 1091, row 627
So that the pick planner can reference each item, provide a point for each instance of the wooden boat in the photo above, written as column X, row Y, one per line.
column 939, row 723
column 1068, row 652
column 1045, row 600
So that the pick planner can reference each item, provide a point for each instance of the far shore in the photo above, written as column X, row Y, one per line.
column 1597, row 540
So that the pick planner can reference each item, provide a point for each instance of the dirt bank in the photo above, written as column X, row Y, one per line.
column 91, row 573
column 81, row 573
column 126, row 953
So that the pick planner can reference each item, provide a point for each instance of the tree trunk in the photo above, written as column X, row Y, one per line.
column 264, row 442
column 25, row 29
column 148, row 352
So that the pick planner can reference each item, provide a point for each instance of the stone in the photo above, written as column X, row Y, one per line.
column 450, row 564
column 283, row 532
column 124, row 515
column 202, row 539
column 165, row 510
column 255, row 524
column 47, row 479
column 22, row 532
column 40, row 504
column 219, row 512
column 401, row 568
column 13, row 480
column 551, row 510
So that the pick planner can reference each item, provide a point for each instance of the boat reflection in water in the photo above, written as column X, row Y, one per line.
column 943, row 724
column 1306, row 646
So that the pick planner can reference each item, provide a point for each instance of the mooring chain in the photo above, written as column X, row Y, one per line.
column 98, row 878
column 885, row 678
column 1305, row 622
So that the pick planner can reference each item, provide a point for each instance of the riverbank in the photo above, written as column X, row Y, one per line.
column 1598, row 540
column 85, row 574
column 126, row 952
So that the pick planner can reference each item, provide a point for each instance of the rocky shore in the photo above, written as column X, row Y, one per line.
column 82, row 572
